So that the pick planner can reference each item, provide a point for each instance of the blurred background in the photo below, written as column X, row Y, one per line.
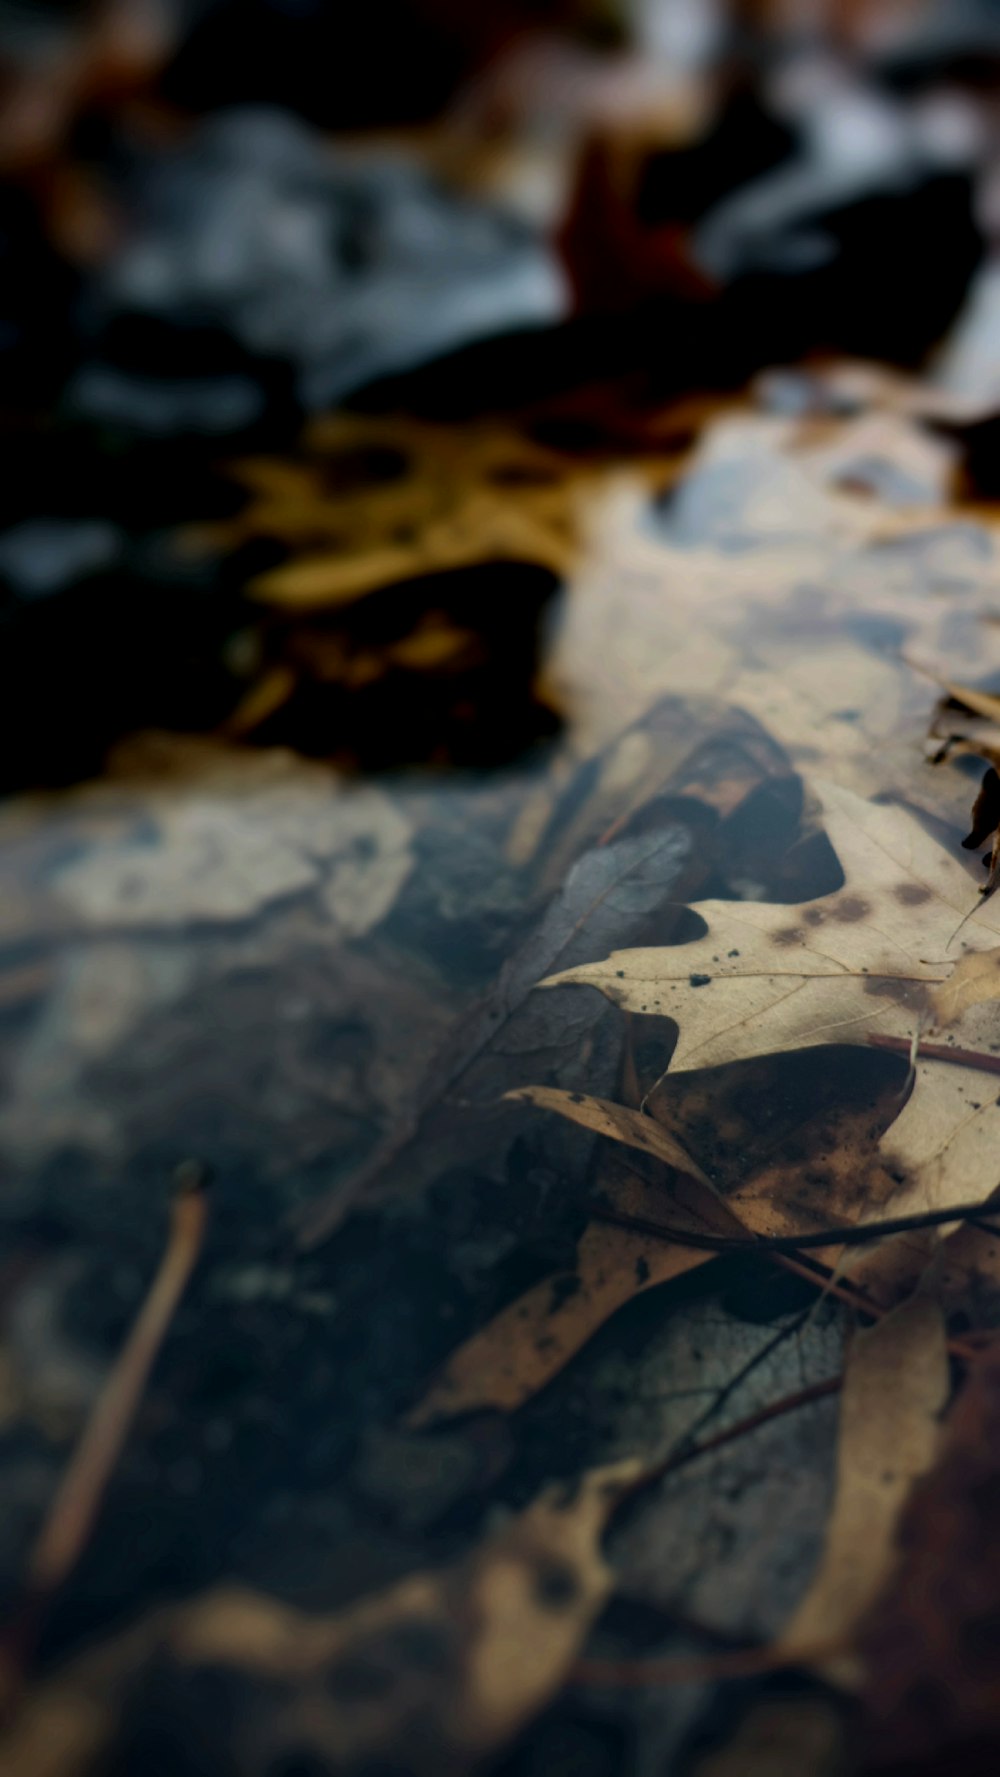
column 221, row 219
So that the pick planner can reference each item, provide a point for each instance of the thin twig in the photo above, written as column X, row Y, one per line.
column 853, row 1295
column 72, row 1514
column 788, row 1403
column 975, row 1058
column 687, row 1446
column 741, row 1662
column 852, row 1234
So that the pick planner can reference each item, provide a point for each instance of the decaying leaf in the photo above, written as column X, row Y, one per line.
column 533, row 1338
column 626, row 841
column 427, row 1677
column 618, row 1122
column 895, row 1389
column 930, row 1643
column 791, row 1142
column 975, row 730
column 374, row 500
column 982, row 703
column 986, row 821
column 871, row 959
column 251, row 832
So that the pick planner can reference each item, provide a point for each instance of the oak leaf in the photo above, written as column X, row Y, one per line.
column 883, row 957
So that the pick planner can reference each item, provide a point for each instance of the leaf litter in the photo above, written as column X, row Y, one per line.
column 871, row 958
column 881, row 965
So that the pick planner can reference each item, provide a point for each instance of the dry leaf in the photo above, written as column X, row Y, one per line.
column 447, row 498
column 533, row 1338
column 975, row 732
column 870, row 959
column 618, row 856
column 930, row 1644
column 986, row 820
column 244, row 836
column 793, row 1145
column 895, row 1388
column 615, row 1120
column 427, row 1677
column 981, row 703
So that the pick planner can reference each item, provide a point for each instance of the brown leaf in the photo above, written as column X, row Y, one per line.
column 618, row 1122
column 986, row 820
column 869, row 958
column 533, row 1338
column 985, row 811
column 618, row 857
column 895, row 1388
column 450, row 498
column 981, row 703
column 791, row 1142
column 930, row 1643
column 429, row 1676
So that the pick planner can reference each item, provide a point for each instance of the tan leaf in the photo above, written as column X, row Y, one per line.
column 975, row 979
column 432, row 1674
column 866, row 960
column 458, row 497
column 813, row 1160
column 239, row 841
column 982, row 703
column 616, row 1121
column 931, row 1695
column 895, row 1388
column 533, row 1338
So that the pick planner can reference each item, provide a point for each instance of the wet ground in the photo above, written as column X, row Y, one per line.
column 435, row 560
column 320, row 985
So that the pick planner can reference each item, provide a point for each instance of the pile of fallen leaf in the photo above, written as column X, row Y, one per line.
column 751, row 981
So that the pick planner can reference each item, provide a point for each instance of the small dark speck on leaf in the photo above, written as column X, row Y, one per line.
column 732, row 953
column 620, row 974
column 576, row 1098
column 699, row 980
column 563, row 1288
column 912, row 894
column 556, row 1585
column 851, row 909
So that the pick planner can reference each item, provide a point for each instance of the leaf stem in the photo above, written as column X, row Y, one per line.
column 73, row 1512
column 852, row 1234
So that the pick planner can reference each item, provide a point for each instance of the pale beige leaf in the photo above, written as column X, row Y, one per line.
column 895, row 1388
column 881, row 956
column 974, row 980
column 469, row 1652
column 617, row 1122
column 982, row 703
column 767, row 977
